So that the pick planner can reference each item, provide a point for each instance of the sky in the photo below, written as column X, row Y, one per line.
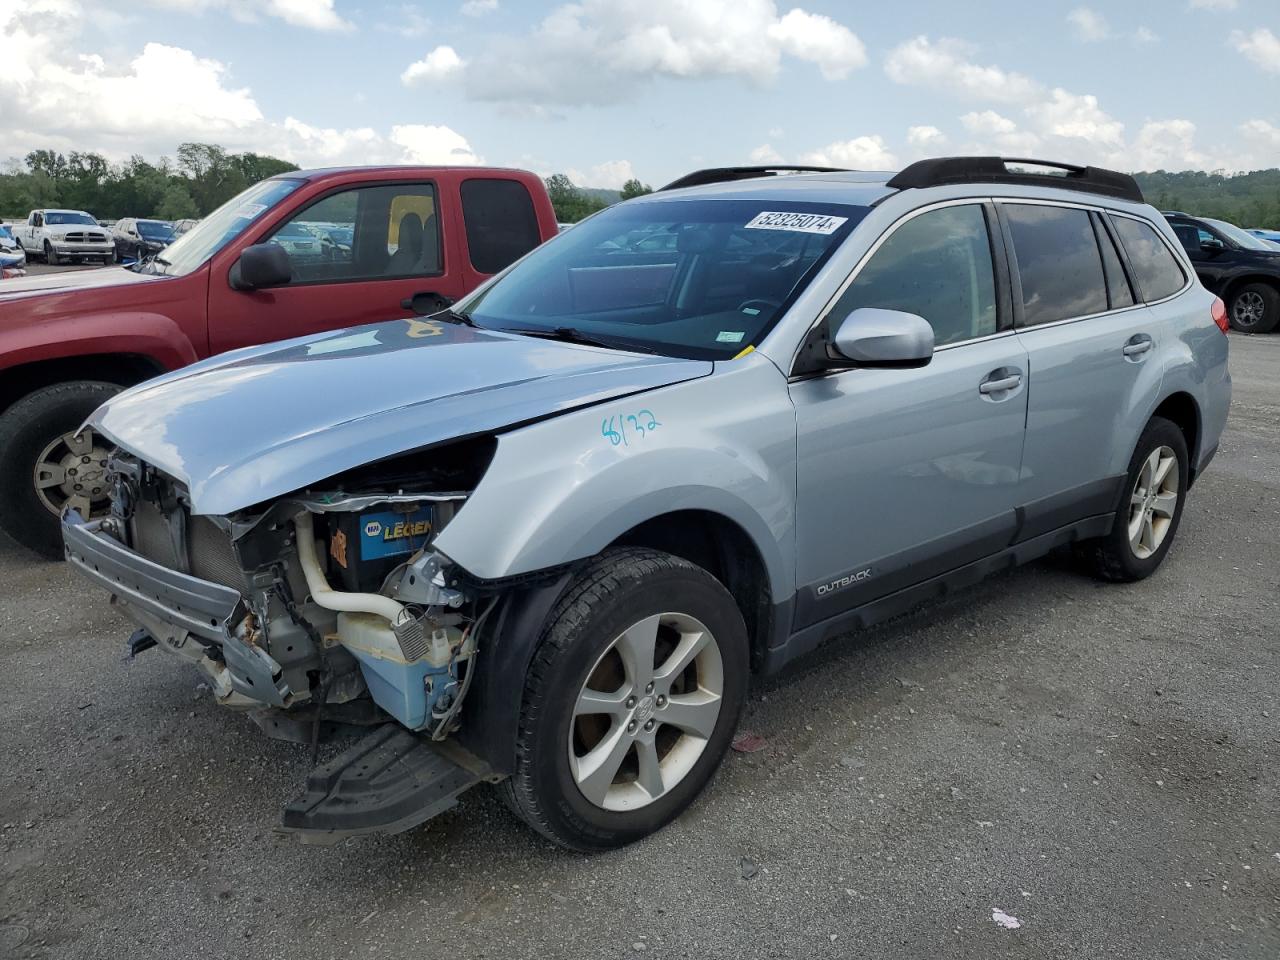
column 609, row 89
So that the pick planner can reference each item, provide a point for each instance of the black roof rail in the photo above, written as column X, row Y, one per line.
column 727, row 174
column 947, row 170
column 1174, row 213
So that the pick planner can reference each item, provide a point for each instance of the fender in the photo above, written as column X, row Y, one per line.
column 142, row 332
column 735, row 457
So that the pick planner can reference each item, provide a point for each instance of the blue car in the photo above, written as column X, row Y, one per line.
column 13, row 260
column 1271, row 236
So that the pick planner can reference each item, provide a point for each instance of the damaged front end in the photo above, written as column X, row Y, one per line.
column 318, row 612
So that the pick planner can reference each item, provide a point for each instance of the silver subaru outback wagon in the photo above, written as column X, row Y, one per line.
column 543, row 538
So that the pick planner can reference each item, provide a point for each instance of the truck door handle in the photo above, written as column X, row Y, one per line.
column 1138, row 346
column 1000, row 385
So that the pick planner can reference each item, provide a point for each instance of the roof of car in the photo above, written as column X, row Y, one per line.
column 319, row 173
column 856, row 187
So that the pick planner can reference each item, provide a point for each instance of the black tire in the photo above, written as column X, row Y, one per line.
column 1254, row 295
column 616, row 590
column 1113, row 557
column 50, row 257
column 26, row 429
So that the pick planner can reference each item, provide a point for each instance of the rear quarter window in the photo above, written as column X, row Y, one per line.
column 500, row 222
column 1156, row 269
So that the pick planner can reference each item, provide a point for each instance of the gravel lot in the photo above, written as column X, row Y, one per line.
column 1099, row 762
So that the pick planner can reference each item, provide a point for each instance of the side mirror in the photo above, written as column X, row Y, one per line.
column 262, row 265
column 885, row 338
column 1212, row 246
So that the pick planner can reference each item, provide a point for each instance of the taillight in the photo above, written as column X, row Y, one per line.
column 1219, row 313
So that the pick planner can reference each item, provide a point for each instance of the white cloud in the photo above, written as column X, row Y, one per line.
column 765, row 154
column 1261, row 46
column 1089, row 25
column 478, row 8
column 987, row 122
column 422, row 143
column 926, row 138
column 809, row 36
column 945, row 65
column 1164, row 145
column 1145, row 35
column 1263, row 132
column 610, row 175
column 1071, row 115
column 440, row 64
column 599, row 51
column 313, row 14
column 860, row 153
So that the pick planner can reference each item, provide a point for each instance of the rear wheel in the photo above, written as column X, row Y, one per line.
column 1255, row 308
column 630, row 701
column 1150, row 510
column 46, row 466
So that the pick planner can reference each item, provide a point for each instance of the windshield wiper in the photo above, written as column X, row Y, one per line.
column 456, row 316
column 574, row 335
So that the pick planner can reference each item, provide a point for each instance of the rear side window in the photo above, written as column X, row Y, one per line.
column 1118, row 292
column 936, row 265
column 1154, row 266
column 500, row 222
column 1058, row 263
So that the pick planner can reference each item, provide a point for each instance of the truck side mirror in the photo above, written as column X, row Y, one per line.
column 261, row 265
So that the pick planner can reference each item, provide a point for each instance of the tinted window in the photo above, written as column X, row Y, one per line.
column 1118, row 292
column 936, row 265
column 1058, row 263
column 368, row 233
column 1154, row 266
column 500, row 222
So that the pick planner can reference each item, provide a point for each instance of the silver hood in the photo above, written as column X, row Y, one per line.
column 256, row 424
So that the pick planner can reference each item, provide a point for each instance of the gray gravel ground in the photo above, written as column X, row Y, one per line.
column 1099, row 762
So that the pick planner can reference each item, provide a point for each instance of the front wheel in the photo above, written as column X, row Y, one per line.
column 46, row 466
column 1150, row 509
column 630, row 701
column 50, row 257
column 1255, row 308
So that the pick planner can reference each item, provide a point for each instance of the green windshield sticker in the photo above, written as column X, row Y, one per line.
column 729, row 336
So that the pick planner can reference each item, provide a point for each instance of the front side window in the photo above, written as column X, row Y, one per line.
column 208, row 236
column 936, row 265
column 1154, row 265
column 1058, row 262
column 367, row 233
column 500, row 223
column 698, row 278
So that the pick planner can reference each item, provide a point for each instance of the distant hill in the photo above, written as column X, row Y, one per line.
column 1246, row 199
column 599, row 193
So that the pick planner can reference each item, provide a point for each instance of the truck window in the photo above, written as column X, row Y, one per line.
column 208, row 236
column 365, row 233
column 500, row 223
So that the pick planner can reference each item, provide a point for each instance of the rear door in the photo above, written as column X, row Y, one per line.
column 1092, row 347
column 357, row 253
column 904, row 474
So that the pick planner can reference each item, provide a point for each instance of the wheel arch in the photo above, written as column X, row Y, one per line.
column 1181, row 409
column 1235, row 283
column 122, row 369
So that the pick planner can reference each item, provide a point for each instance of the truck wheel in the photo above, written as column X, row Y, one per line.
column 48, row 466
column 1150, row 509
column 630, row 701
column 1255, row 308
column 50, row 257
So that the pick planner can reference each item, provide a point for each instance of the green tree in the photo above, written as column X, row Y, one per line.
column 570, row 203
column 634, row 188
column 176, row 204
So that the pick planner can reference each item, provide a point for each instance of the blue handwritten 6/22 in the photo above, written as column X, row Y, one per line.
column 617, row 427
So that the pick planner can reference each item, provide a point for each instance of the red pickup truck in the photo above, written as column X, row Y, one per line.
column 296, row 254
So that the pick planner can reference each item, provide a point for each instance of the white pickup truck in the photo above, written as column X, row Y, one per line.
column 64, row 235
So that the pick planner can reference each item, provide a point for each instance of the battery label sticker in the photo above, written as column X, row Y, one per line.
column 818, row 223
column 389, row 533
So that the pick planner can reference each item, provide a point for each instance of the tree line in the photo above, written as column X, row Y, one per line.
column 1245, row 199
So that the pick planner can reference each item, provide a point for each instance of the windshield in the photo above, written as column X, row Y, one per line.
column 219, row 228
column 698, row 278
column 1241, row 238
column 6, row 231
column 155, row 229
column 56, row 217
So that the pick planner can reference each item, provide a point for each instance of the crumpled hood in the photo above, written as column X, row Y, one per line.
column 259, row 423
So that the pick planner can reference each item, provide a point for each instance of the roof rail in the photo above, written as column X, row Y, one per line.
column 947, row 170
column 727, row 174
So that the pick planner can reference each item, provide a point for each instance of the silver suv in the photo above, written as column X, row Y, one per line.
column 545, row 537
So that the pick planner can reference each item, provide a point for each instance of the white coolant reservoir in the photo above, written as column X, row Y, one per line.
column 408, row 690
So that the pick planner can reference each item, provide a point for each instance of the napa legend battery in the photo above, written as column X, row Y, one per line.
column 365, row 547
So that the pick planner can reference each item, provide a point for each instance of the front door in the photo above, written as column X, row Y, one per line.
column 904, row 474
column 356, row 256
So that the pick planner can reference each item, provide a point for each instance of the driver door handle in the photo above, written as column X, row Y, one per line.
column 1000, row 385
column 1138, row 346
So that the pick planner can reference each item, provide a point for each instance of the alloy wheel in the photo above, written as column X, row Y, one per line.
column 1249, row 309
column 72, row 472
column 1153, row 502
column 646, row 711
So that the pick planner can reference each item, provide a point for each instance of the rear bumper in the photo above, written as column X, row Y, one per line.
column 177, row 606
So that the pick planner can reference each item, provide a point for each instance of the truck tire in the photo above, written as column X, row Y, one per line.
column 630, row 701
column 44, row 466
column 1255, row 308
column 50, row 257
column 1150, row 508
